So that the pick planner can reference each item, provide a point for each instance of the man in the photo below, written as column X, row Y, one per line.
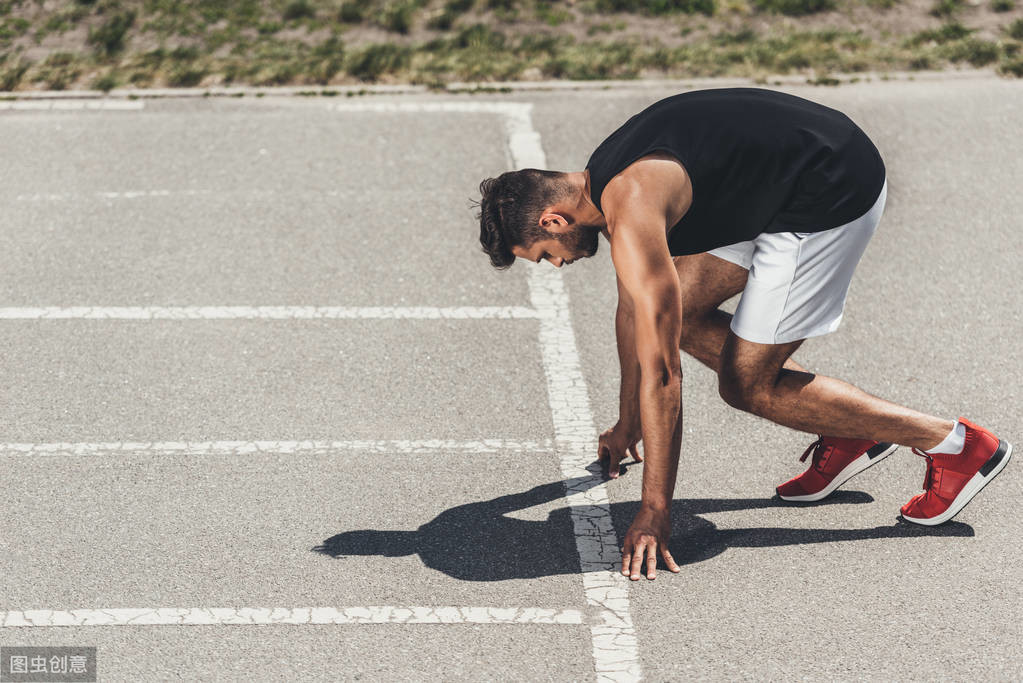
column 704, row 195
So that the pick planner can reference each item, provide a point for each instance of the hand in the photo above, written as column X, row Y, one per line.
column 650, row 531
column 615, row 444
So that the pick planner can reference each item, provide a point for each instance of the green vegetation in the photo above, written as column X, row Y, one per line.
column 947, row 8
column 656, row 7
column 106, row 44
column 795, row 7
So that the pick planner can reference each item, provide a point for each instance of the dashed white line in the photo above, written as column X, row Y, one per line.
column 394, row 446
column 262, row 312
column 205, row 616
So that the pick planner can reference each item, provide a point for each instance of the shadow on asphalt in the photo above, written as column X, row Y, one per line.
column 478, row 542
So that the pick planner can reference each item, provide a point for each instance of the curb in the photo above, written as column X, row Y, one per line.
column 495, row 86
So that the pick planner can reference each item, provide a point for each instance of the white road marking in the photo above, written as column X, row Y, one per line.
column 122, row 105
column 263, row 312
column 277, row 447
column 204, row 616
column 128, row 194
column 508, row 110
column 615, row 650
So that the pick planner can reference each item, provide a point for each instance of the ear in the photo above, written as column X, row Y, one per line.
column 553, row 221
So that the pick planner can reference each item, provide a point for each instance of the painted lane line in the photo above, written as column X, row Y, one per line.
column 506, row 110
column 615, row 650
column 205, row 616
column 275, row 447
column 127, row 194
column 264, row 312
column 71, row 105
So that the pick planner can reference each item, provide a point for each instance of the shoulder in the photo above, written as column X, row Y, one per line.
column 656, row 182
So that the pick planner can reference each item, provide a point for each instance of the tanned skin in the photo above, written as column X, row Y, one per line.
column 666, row 304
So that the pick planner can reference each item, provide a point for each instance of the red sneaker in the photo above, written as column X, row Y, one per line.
column 835, row 461
column 953, row 480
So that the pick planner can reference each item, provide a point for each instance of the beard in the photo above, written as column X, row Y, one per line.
column 581, row 242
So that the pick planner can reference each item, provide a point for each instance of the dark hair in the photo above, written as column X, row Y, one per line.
column 510, row 210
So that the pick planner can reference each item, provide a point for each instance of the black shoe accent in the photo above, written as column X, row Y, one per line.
column 993, row 461
column 878, row 450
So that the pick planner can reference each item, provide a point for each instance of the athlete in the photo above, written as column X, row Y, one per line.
column 704, row 195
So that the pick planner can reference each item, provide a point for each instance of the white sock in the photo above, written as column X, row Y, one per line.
column 953, row 443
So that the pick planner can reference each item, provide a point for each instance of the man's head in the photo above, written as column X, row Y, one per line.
column 535, row 214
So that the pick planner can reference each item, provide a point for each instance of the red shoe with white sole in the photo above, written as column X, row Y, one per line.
column 953, row 480
column 835, row 461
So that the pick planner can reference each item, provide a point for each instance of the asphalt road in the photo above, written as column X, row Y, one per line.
column 375, row 485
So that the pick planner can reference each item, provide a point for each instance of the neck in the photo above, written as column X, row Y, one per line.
column 587, row 212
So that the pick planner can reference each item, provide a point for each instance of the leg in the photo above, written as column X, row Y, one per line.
column 707, row 282
column 752, row 378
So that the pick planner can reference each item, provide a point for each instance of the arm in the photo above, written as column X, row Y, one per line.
column 625, row 332
column 639, row 204
column 647, row 273
column 615, row 444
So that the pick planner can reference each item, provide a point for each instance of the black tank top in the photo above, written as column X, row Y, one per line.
column 759, row 161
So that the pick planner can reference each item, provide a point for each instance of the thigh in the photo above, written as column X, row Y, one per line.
column 748, row 365
column 707, row 281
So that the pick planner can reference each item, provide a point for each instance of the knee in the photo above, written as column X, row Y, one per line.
column 743, row 394
column 693, row 330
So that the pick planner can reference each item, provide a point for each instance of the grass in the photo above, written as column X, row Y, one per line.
column 105, row 44
column 795, row 8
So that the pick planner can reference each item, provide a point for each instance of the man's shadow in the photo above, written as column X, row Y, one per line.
column 479, row 542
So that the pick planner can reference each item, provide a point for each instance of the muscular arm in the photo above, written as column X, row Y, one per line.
column 639, row 204
column 625, row 333
column 644, row 264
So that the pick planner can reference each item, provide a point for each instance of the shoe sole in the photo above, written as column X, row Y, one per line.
column 872, row 456
column 995, row 464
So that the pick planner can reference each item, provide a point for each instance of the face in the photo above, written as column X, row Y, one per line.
column 561, row 247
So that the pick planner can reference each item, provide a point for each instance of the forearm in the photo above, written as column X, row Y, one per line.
column 661, row 411
column 628, row 395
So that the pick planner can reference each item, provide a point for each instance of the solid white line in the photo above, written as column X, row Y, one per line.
column 123, row 105
column 263, row 312
column 127, row 194
column 277, row 447
column 615, row 650
column 204, row 616
column 519, row 111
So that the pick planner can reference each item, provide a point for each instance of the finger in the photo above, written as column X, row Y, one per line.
column 635, row 452
column 669, row 560
column 614, row 466
column 651, row 560
column 626, row 559
column 637, row 560
column 602, row 452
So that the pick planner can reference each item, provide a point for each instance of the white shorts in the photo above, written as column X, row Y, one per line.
column 798, row 281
